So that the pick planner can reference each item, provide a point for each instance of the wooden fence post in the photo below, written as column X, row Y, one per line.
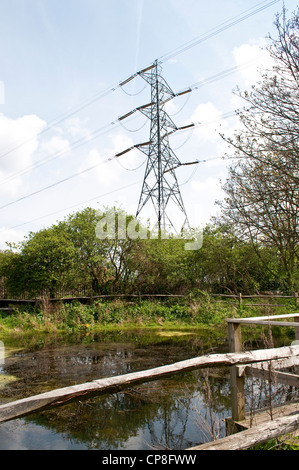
column 237, row 383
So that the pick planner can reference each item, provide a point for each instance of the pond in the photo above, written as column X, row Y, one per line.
column 173, row 413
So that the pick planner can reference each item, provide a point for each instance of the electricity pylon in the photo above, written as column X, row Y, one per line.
column 160, row 185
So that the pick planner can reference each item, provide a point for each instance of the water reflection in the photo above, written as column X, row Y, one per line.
column 169, row 414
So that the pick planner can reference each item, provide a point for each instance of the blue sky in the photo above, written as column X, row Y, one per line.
column 57, row 57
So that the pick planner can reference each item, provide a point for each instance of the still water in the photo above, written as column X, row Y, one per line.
column 173, row 413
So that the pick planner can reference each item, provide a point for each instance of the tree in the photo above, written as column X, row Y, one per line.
column 69, row 257
column 41, row 265
column 270, row 117
column 262, row 189
column 161, row 266
column 227, row 264
column 92, row 271
column 102, row 261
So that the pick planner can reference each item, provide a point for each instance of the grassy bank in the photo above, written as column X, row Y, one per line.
column 114, row 313
column 186, row 312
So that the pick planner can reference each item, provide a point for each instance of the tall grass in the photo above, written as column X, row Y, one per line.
column 195, row 310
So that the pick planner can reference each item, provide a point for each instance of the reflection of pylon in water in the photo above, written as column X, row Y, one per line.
column 160, row 185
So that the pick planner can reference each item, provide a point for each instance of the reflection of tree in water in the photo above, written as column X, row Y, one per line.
column 267, row 394
column 160, row 414
column 155, row 414
column 54, row 365
column 168, row 429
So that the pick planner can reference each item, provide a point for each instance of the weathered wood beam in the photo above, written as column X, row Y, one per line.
column 284, row 363
column 269, row 323
column 237, row 382
column 285, row 378
column 64, row 395
column 265, row 318
column 253, row 436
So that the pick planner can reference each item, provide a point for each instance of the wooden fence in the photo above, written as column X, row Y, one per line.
column 267, row 428
column 235, row 345
column 64, row 395
column 240, row 298
column 240, row 363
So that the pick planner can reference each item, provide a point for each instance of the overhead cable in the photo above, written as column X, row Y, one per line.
column 222, row 27
column 219, row 29
column 117, row 155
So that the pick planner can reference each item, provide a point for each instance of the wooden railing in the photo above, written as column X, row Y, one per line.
column 235, row 345
column 241, row 299
column 64, row 395
column 240, row 362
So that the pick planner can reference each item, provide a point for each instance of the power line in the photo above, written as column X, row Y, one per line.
column 218, row 29
column 59, row 120
column 104, row 129
column 71, row 207
column 64, row 180
column 224, row 73
column 99, row 95
column 211, row 33
column 78, row 143
column 223, row 116
column 101, row 196
column 117, row 155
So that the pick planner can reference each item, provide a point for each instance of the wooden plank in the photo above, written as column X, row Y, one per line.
column 249, row 321
column 262, row 371
column 262, row 305
column 284, row 363
column 264, row 415
column 64, row 395
column 261, row 296
column 237, row 382
column 253, row 436
column 268, row 317
column 281, row 377
column 268, row 296
column 19, row 301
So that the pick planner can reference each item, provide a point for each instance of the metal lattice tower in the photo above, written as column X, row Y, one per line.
column 160, row 185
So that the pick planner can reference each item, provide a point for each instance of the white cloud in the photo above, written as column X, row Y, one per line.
column 76, row 127
column 18, row 144
column 11, row 236
column 120, row 141
column 211, row 123
column 103, row 173
column 2, row 93
column 206, row 193
column 111, row 172
column 55, row 146
column 251, row 58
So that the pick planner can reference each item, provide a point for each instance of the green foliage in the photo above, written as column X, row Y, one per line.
column 229, row 265
column 68, row 259
column 284, row 443
column 76, row 315
column 161, row 266
column 261, row 192
column 42, row 263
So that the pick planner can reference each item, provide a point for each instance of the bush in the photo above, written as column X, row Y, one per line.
column 75, row 315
